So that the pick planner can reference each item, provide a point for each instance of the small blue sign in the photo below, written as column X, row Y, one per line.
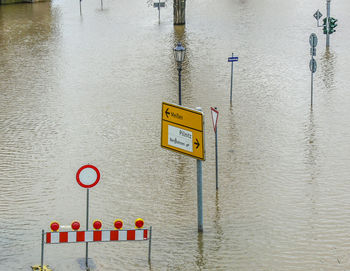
column 233, row 59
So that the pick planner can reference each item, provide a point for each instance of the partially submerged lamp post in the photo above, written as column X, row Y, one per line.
column 179, row 54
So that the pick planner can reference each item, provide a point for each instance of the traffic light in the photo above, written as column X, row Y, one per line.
column 325, row 25
column 332, row 25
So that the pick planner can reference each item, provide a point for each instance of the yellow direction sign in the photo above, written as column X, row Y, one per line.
column 182, row 130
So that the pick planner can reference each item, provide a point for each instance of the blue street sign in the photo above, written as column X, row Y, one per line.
column 233, row 59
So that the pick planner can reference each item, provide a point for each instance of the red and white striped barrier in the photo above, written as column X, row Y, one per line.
column 96, row 236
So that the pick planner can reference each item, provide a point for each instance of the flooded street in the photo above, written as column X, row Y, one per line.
column 78, row 89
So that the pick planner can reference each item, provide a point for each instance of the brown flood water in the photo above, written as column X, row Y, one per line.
column 88, row 89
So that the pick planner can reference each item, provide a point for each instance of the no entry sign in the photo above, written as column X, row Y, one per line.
column 88, row 176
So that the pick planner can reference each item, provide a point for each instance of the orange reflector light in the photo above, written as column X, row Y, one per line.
column 97, row 224
column 55, row 226
column 139, row 223
column 75, row 225
column 118, row 224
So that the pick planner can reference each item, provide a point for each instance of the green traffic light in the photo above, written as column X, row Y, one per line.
column 332, row 25
column 324, row 21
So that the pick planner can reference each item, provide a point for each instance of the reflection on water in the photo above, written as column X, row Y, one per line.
column 88, row 89
column 328, row 62
column 200, row 259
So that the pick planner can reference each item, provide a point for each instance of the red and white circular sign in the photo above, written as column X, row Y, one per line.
column 88, row 176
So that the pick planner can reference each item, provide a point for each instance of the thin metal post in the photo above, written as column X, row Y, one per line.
column 199, row 196
column 216, row 157
column 159, row 11
column 87, row 227
column 42, row 249
column 312, row 88
column 101, row 4
column 150, row 244
column 231, row 82
column 80, row 6
column 199, row 191
column 328, row 16
column 179, row 69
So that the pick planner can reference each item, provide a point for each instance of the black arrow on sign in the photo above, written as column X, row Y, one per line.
column 167, row 112
column 196, row 143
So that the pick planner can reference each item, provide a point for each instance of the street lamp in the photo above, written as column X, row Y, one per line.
column 179, row 54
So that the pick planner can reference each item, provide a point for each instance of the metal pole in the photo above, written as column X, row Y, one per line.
column 312, row 87
column 87, row 226
column 159, row 11
column 149, row 244
column 199, row 196
column 80, row 6
column 231, row 82
column 179, row 69
column 101, row 4
column 328, row 16
column 42, row 250
column 199, row 191
column 216, row 156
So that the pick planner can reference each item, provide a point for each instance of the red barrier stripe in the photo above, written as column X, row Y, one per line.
column 80, row 236
column 97, row 236
column 145, row 234
column 63, row 237
column 48, row 237
column 114, row 235
column 130, row 235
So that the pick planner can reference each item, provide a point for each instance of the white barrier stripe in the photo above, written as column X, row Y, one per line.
column 139, row 235
column 122, row 236
column 55, row 237
column 89, row 236
column 72, row 237
column 106, row 236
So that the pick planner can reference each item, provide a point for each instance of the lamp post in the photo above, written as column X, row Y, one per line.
column 179, row 54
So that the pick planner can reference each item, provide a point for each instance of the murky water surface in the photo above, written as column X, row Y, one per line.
column 88, row 89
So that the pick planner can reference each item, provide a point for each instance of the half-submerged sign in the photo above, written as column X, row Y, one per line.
column 159, row 4
column 182, row 130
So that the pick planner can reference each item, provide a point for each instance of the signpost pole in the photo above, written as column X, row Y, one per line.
column 159, row 11
column 87, row 226
column 87, row 176
column 199, row 191
column 199, row 195
column 101, row 4
column 328, row 16
column 42, row 250
column 312, row 87
column 313, row 65
column 231, row 82
column 179, row 69
column 149, row 244
column 216, row 158
column 80, row 6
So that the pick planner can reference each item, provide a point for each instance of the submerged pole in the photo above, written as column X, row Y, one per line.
column 87, row 228
column 42, row 249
